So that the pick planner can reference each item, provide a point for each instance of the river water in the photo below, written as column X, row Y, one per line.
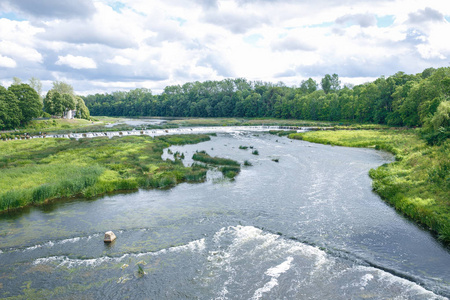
column 305, row 227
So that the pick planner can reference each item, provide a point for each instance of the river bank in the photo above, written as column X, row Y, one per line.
column 417, row 184
column 39, row 170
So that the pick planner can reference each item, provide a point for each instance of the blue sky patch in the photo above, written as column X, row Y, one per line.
column 253, row 39
column 180, row 21
column 321, row 25
column 117, row 6
column 447, row 18
column 11, row 16
column 385, row 21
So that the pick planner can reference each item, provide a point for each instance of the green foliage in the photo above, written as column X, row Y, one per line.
column 398, row 100
column 255, row 152
column 82, row 110
column 28, row 101
column 182, row 139
column 10, row 112
column 62, row 88
column 247, row 163
column 417, row 183
column 230, row 171
column 206, row 158
column 34, row 171
column 282, row 132
column 229, row 168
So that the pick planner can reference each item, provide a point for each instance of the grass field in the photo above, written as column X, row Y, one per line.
column 417, row 184
column 33, row 171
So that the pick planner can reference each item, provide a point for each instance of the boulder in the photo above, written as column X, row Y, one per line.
column 109, row 237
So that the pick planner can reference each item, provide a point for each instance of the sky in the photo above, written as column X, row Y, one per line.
column 101, row 46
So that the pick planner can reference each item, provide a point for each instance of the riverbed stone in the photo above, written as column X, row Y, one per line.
column 109, row 237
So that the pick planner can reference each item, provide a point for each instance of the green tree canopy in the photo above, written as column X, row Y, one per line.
column 28, row 100
column 308, row 86
column 10, row 113
column 441, row 119
column 53, row 103
column 62, row 87
column 82, row 110
column 36, row 84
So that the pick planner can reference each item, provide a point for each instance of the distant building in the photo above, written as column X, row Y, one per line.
column 70, row 114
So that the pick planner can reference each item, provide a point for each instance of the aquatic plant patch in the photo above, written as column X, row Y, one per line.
column 229, row 168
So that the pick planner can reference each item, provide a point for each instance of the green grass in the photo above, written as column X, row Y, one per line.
column 207, row 159
column 229, row 168
column 417, row 184
column 37, row 170
column 281, row 132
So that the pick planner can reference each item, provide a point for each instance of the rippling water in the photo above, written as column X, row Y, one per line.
column 308, row 227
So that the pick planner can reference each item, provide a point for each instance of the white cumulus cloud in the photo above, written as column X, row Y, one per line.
column 77, row 62
column 119, row 60
column 7, row 62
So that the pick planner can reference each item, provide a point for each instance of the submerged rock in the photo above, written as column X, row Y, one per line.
column 109, row 237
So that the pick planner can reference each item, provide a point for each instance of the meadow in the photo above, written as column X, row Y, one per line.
column 38, row 170
column 417, row 184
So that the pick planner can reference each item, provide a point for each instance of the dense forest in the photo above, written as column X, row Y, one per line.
column 399, row 100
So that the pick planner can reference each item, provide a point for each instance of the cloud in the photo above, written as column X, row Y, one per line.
column 236, row 22
column 98, row 44
column 207, row 3
column 77, row 62
column 82, row 33
column 292, row 44
column 425, row 15
column 119, row 60
column 19, row 51
column 363, row 20
column 7, row 62
column 217, row 63
column 166, row 32
column 57, row 9
column 287, row 73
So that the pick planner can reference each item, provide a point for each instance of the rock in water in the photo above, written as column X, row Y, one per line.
column 109, row 237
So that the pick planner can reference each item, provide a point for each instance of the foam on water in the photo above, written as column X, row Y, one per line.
column 245, row 262
column 194, row 246
column 240, row 253
column 274, row 273
column 54, row 243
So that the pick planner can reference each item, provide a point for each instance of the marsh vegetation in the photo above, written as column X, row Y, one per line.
column 229, row 168
column 33, row 171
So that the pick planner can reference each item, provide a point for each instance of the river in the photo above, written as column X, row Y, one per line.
column 306, row 227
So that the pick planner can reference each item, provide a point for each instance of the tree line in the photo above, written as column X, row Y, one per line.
column 399, row 100
column 22, row 102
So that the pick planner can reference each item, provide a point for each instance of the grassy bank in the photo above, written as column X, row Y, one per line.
column 229, row 168
column 417, row 184
column 37, row 170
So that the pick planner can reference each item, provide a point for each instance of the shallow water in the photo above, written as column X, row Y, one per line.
column 138, row 122
column 307, row 227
